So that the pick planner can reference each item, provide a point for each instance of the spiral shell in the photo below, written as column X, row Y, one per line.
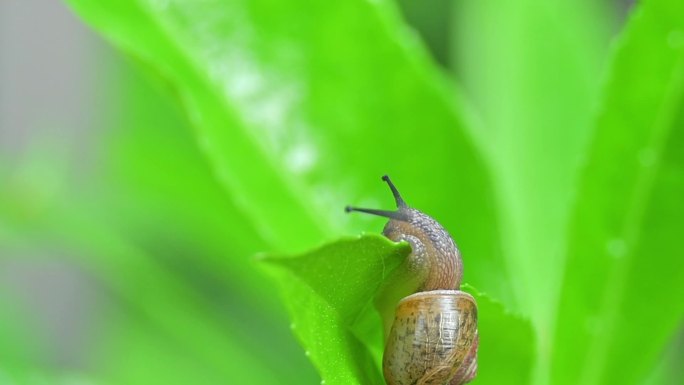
column 433, row 340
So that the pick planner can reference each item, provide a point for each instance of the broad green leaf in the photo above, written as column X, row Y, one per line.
column 507, row 343
column 155, row 183
column 330, row 293
column 156, row 186
column 621, row 299
column 301, row 107
column 326, row 291
column 163, row 194
column 533, row 69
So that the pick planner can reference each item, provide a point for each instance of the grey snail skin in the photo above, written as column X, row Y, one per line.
column 434, row 337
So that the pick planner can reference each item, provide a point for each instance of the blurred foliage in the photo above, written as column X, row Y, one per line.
column 629, row 213
column 257, row 121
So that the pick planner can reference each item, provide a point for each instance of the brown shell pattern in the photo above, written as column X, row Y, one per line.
column 434, row 334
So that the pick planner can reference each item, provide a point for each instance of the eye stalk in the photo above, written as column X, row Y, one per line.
column 397, row 197
column 400, row 214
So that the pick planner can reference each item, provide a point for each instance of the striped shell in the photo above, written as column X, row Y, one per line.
column 433, row 340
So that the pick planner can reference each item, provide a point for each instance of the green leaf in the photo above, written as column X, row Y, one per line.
column 326, row 291
column 330, row 294
column 507, row 343
column 621, row 299
column 533, row 70
column 161, row 193
column 301, row 115
column 157, row 187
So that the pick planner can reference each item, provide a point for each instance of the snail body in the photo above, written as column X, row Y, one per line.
column 434, row 337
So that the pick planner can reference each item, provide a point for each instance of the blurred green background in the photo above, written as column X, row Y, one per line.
column 150, row 149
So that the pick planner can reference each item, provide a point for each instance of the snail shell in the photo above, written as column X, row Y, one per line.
column 432, row 339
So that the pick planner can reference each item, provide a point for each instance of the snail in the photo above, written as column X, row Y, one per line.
column 434, row 338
